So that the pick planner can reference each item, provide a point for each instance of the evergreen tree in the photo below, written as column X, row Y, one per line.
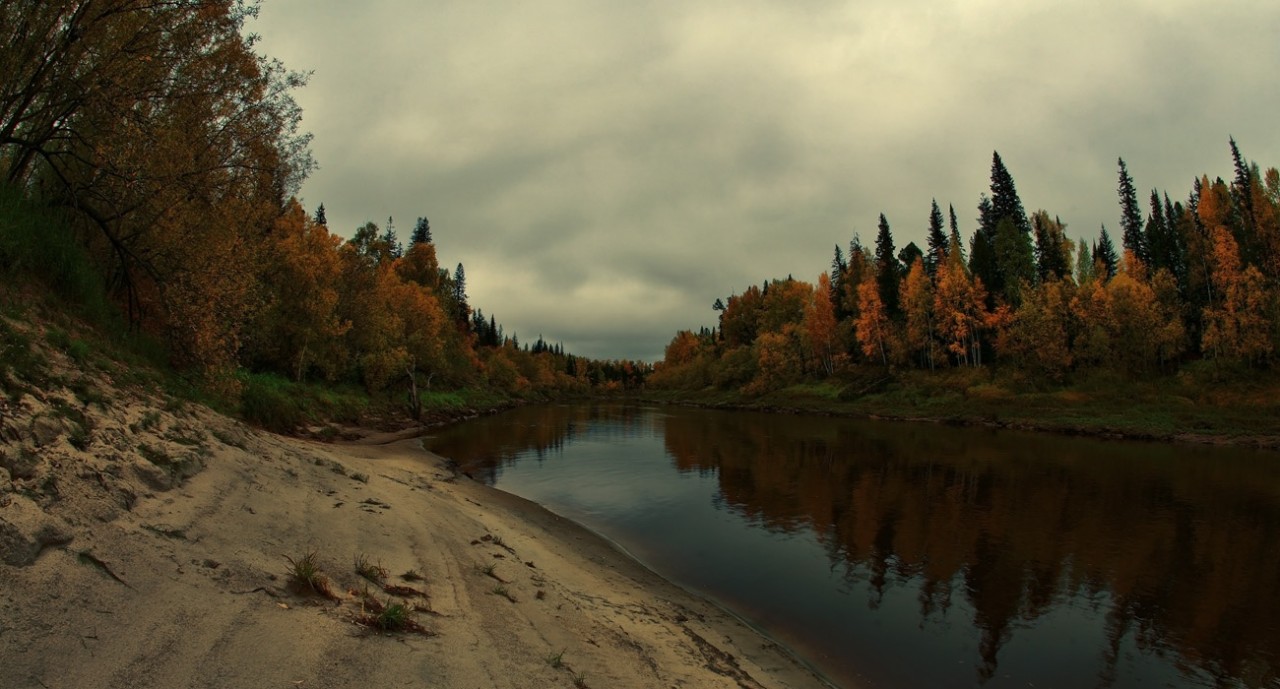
column 955, row 243
column 1052, row 261
column 1135, row 240
column 321, row 218
column 391, row 243
column 909, row 255
column 460, row 295
column 937, row 241
column 839, row 268
column 421, row 232
column 1015, row 260
column 1242, row 189
column 888, row 273
column 1004, row 198
column 1105, row 252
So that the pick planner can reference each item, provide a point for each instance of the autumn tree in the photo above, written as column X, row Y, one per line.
column 821, row 326
column 960, row 311
column 300, row 329
column 1039, row 337
column 176, row 145
column 918, row 306
column 873, row 326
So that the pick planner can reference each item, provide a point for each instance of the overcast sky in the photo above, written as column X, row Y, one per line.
column 606, row 170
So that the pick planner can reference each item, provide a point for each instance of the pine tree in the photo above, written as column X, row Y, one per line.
column 955, row 242
column 421, row 232
column 887, row 271
column 1004, row 198
column 321, row 218
column 1052, row 261
column 1135, row 240
column 1014, row 259
column 839, row 268
column 1105, row 252
column 460, row 295
column 937, row 241
column 391, row 243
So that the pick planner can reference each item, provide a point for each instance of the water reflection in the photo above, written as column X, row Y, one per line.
column 1171, row 550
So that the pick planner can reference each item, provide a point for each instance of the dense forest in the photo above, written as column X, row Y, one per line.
column 151, row 159
column 1192, row 280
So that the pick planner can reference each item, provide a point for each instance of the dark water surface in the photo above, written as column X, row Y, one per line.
column 914, row 555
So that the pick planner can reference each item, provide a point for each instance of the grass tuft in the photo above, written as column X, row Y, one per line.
column 306, row 578
column 556, row 660
column 370, row 570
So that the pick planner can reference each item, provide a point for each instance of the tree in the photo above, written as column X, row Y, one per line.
column 300, row 328
column 936, row 239
column 918, row 305
column 463, row 311
column 1105, row 253
column 170, row 142
column 1052, row 250
column 1014, row 260
column 421, row 232
column 960, row 311
column 1004, row 198
column 910, row 255
column 1134, row 238
column 873, row 327
column 394, row 249
column 321, row 218
column 955, row 243
column 821, row 326
column 887, row 271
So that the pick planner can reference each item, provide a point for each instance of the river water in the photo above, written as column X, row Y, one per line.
column 916, row 555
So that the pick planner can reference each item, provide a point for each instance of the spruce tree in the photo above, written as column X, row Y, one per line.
column 1014, row 260
column 955, row 243
column 321, row 218
column 390, row 242
column 1135, row 240
column 937, row 241
column 421, row 232
column 1105, row 252
column 839, row 268
column 887, row 270
column 1004, row 198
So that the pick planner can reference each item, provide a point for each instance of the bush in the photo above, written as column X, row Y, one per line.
column 266, row 401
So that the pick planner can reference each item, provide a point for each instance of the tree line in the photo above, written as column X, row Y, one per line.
column 1194, row 279
column 174, row 152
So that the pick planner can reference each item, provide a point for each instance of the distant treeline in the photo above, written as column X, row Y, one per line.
column 1192, row 280
column 172, row 152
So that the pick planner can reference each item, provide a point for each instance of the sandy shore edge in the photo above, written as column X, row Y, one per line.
column 137, row 583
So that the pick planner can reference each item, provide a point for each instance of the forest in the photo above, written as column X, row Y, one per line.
column 1191, row 280
column 151, row 161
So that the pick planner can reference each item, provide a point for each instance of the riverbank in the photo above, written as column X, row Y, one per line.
column 1204, row 405
column 155, row 550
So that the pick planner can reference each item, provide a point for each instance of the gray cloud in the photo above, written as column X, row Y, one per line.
column 606, row 170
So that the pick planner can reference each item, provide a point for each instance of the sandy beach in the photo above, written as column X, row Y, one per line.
column 155, row 553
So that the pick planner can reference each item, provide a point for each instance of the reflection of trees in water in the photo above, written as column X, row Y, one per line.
column 483, row 446
column 1182, row 545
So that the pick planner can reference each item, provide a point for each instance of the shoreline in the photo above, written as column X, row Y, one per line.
column 185, row 582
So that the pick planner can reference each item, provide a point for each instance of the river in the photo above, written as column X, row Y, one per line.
column 917, row 555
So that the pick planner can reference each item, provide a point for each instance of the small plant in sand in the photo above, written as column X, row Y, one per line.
column 413, row 575
column 369, row 570
column 306, row 578
column 579, row 680
column 488, row 569
column 387, row 616
column 556, row 660
column 501, row 590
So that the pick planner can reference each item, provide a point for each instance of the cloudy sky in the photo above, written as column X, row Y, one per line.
column 605, row 170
